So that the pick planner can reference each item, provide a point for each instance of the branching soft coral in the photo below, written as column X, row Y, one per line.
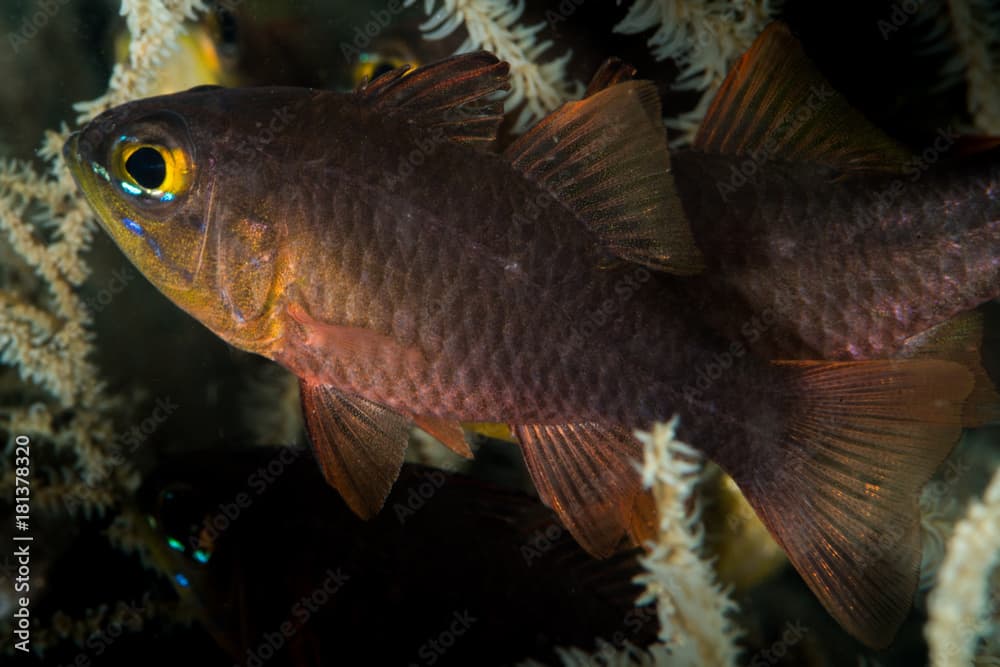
column 493, row 25
column 976, row 27
column 695, row 612
column 155, row 27
column 44, row 326
column 704, row 38
column 961, row 607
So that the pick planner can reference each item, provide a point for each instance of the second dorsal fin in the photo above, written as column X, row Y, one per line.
column 776, row 105
column 605, row 159
column 455, row 95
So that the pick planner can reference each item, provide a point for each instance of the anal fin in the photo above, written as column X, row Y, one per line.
column 587, row 474
column 839, row 487
column 359, row 445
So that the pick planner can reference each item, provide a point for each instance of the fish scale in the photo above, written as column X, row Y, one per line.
column 578, row 285
column 910, row 270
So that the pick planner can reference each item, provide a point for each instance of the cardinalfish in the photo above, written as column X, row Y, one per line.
column 383, row 249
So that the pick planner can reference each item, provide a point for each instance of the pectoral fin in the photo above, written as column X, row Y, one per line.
column 358, row 444
column 357, row 343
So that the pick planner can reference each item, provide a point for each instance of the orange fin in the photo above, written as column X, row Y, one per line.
column 359, row 445
column 448, row 433
column 611, row 72
column 960, row 339
column 776, row 105
column 644, row 522
column 356, row 342
column 972, row 145
column 605, row 159
column 839, row 489
column 586, row 473
column 455, row 96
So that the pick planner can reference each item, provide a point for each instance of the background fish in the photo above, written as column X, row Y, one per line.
column 250, row 562
column 373, row 245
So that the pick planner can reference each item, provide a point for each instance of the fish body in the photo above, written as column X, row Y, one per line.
column 375, row 245
column 843, row 268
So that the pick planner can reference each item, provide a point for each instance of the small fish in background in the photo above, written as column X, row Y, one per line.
column 376, row 245
column 248, row 548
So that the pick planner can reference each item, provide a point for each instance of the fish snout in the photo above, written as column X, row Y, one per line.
column 71, row 149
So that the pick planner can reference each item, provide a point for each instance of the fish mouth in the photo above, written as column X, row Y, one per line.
column 84, row 177
column 73, row 159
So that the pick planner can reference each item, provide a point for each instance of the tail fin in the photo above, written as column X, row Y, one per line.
column 839, row 491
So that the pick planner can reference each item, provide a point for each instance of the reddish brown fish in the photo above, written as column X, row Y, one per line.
column 848, row 243
column 377, row 246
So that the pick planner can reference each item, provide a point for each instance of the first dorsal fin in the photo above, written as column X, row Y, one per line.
column 776, row 105
column 359, row 444
column 455, row 96
column 605, row 159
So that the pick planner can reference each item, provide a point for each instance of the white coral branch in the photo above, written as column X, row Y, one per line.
column 48, row 226
column 976, row 26
column 155, row 27
column 703, row 38
column 959, row 606
column 694, row 610
column 493, row 25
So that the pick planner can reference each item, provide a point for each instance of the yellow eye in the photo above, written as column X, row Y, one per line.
column 372, row 65
column 153, row 170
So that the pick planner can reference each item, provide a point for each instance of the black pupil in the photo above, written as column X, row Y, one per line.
column 147, row 167
column 381, row 68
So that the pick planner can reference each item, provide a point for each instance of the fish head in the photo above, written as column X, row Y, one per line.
column 178, row 183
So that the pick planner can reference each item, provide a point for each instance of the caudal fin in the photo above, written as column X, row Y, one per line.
column 839, row 491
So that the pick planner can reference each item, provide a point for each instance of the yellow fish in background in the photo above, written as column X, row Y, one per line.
column 198, row 60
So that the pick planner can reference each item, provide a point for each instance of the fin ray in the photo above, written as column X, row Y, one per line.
column 456, row 96
column 960, row 339
column 359, row 445
column 585, row 473
column 448, row 433
column 775, row 103
column 605, row 158
column 839, row 491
